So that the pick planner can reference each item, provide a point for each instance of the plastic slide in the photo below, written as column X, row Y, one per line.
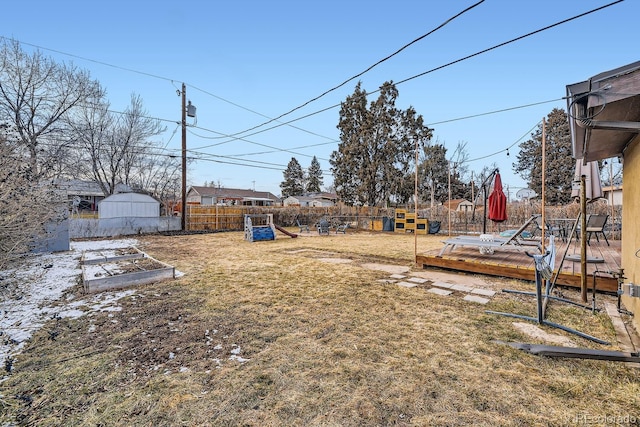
column 282, row 230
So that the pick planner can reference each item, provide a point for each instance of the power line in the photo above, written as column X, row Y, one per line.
column 254, row 112
column 254, row 143
column 106, row 64
column 195, row 155
column 209, row 155
column 504, row 149
column 473, row 116
column 271, row 120
column 294, row 148
column 365, row 71
column 337, row 105
column 276, row 149
column 510, row 41
column 443, row 66
column 172, row 81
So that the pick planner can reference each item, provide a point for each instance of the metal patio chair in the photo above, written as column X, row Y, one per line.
column 595, row 225
column 323, row 227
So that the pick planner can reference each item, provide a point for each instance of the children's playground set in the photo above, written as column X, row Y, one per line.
column 263, row 229
column 260, row 227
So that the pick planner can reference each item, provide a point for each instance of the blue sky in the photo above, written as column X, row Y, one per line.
column 244, row 62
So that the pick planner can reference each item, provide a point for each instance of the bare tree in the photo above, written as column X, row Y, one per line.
column 117, row 148
column 36, row 94
column 437, row 174
column 92, row 129
column 133, row 134
column 160, row 176
column 25, row 208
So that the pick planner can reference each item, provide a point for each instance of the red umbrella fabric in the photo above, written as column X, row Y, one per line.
column 497, row 201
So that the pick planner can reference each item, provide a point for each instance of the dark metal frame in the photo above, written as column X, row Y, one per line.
column 539, row 260
column 484, row 186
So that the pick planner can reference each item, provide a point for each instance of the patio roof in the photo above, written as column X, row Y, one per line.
column 604, row 113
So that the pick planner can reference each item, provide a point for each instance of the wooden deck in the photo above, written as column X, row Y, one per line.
column 517, row 265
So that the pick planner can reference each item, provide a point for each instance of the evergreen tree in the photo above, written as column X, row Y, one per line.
column 314, row 176
column 293, row 184
column 377, row 148
column 560, row 164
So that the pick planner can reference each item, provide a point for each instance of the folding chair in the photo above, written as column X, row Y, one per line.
column 595, row 224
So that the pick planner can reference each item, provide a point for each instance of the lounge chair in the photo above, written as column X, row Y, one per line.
column 515, row 242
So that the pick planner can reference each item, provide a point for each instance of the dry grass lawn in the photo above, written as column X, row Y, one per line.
column 297, row 332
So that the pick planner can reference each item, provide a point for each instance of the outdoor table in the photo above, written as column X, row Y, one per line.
column 563, row 225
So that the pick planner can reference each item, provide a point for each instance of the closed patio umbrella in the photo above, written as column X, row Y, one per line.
column 592, row 191
column 593, row 185
column 497, row 201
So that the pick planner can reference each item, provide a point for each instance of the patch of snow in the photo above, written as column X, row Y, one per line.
column 238, row 359
column 43, row 279
column 235, row 351
column 73, row 313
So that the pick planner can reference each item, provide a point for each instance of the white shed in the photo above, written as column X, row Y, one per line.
column 131, row 205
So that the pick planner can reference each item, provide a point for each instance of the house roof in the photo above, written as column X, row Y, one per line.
column 234, row 193
column 316, row 196
column 330, row 196
column 453, row 204
column 612, row 188
column 604, row 113
column 303, row 198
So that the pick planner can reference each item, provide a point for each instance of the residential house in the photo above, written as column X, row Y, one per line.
column 85, row 195
column 613, row 194
column 303, row 201
column 312, row 200
column 604, row 120
column 230, row 196
column 459, row 205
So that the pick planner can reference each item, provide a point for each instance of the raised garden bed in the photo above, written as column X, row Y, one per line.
column 122, row 268
column 110, row 255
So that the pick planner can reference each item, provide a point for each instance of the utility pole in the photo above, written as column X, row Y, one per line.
column 183, row 217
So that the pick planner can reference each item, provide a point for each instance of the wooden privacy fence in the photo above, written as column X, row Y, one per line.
column 231, row 218
column 215, row 218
